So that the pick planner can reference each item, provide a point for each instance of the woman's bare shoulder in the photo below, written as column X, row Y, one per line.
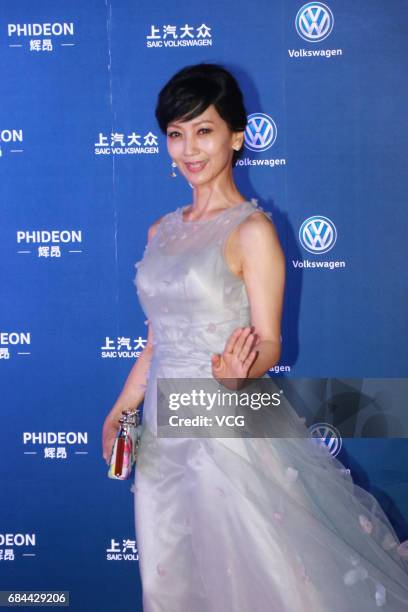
column 255, row 225
column 258, row 234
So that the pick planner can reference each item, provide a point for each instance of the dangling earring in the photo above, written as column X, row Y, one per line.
column 173, row 165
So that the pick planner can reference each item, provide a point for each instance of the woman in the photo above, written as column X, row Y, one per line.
column 224, row 524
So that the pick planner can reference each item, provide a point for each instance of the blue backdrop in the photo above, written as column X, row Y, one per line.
column 84, row 172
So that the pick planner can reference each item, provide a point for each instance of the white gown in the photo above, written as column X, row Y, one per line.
column 253, row 524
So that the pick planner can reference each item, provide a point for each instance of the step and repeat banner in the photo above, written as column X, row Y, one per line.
column 85, row 171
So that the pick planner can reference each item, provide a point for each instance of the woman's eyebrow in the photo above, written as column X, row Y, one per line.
column 194, row 123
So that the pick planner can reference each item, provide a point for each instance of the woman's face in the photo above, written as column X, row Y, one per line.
column 202, row 147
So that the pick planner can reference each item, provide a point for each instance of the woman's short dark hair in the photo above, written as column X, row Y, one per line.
column 193, row 89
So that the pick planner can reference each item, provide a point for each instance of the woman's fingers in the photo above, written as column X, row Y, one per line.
column 244, row 343
column 239, row 353
column 237, row 340
column 107, row 445
column 231, row 342
column 249, row 359
column 247, row 345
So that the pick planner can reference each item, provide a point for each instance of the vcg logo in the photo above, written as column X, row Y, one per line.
column 314, row 21
column 317, row 234
column 260, row 132
column 328, row 435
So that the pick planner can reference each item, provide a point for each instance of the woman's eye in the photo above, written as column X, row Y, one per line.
column 174, row 134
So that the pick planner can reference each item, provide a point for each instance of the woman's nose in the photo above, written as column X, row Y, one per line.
column 190, row 145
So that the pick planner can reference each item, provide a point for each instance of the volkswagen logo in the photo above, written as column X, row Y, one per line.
column 314, row 21
column 317, row 234
column 328, row 435
column 260, row 132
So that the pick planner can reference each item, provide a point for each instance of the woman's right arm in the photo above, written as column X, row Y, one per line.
column 130, row 397
column 133, row 390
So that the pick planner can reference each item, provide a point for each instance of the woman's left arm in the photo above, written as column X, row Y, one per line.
column 263, row 268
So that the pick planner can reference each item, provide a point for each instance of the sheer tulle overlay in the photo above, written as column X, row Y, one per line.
column 253, row 524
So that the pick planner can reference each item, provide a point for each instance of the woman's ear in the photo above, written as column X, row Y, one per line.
column 238, row 140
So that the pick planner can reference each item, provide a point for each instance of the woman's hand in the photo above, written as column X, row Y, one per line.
column 237, row 358
column 109, row 432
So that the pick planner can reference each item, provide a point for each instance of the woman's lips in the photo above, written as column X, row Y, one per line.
column 196, row 166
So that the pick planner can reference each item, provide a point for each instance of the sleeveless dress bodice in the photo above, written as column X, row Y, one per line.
column 189, row 294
